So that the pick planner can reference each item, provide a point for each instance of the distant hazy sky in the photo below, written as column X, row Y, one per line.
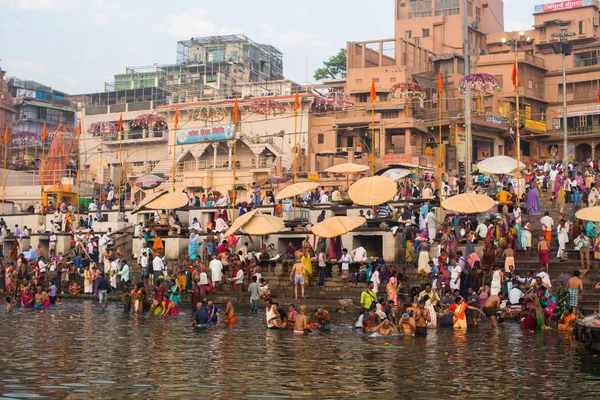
column 75, row 45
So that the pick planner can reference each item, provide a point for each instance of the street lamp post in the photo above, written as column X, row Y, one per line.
column 515, row 43
column 564, row 48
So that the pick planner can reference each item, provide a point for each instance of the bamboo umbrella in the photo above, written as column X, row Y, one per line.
column 499, row 165
column 239, row 222
column 469, row 203
column 263, row 224
column 337, row 226
column 347, row 169
column 589, row 214
column 373, row 191
column 296, row 190
column 168, row 201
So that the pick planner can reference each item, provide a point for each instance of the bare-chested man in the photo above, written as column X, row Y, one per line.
column 386, row 327
column 301, row 325
column 40, row 298
column 229, row 311
column 544, row 252
column 407, row 324
column 297, row 276
column 323, row 318
column 421, row 319
column 575, row 288
column 492, row 306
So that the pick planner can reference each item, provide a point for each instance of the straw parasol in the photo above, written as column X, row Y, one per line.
column 240, row 222
column 372, row 191
column 396, row 173
column 168, row 201
column 263, row 224
column 347, row 168
column 296, row 190
column 337, row 226
column 589, row 214
column 468, row 203
column 499, row 165
column 149, row 181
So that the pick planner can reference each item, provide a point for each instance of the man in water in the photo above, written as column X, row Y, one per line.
column 52, row 292
column 386, row 327
column 421, row 319
column 40, row 299
column 297, row 276
column 323, row 318
column 301, row 325
column 492, row 306
column 102, row 290
column 200, row 317
column 575, row 288
column 9, row 308
column 407, row 324
column 229, row 312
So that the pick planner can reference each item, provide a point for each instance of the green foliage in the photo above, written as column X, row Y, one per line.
column 334, row 68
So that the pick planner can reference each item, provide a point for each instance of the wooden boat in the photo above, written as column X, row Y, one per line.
column 587, row 331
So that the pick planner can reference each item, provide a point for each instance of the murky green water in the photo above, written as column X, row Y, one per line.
column 80, row 352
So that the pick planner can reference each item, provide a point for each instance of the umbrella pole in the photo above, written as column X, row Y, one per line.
column 234, row 167
column 295, row 150
column 440, row 147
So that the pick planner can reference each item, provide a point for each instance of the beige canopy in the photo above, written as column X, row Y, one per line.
column 589, row 214
column 168, row 201
column 263, row 224
column 239, row 222
column 347, row 168
column 373, row 191
column 499, row 165
column 468, row 203
column 337, row 226
column 296, row 190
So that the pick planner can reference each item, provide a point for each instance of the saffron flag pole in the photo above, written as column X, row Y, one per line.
column 440, row 85
column 44, row 136
column 78, row 167
column 514, row 77
column 373, row 97
column 296, row 107
column 236, row 116
column 175, row 122
column 120, row 128
column 5, row 141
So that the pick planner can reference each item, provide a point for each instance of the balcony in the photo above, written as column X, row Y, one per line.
column 137, row 137
column 191, row 166
column 583, row 130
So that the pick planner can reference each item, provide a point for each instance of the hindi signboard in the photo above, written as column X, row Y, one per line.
column 205, row 134
column 560, row 5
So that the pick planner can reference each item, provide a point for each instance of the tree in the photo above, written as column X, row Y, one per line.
column 334, row 68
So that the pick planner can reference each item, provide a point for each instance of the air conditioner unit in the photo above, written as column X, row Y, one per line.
column 475, row 24
column 335, row 127
column 344, row 149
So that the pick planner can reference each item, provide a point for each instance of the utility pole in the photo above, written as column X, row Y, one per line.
column 564, row 48
column 467, row 62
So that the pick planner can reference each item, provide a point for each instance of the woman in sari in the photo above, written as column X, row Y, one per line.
column 533, row 200
column 193, row 246
column 175, row 294
column 169, row 307
column 432, row 324
column 136, row 300
column 158, row 246
column 334, row 249
column 8, row 276
column 27, row 298
column 568, row 319
column 489, row 253
column 392, row 289
column 88, row 277
column 196, row 297
column 563, row 298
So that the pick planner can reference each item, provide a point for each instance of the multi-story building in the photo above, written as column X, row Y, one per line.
column 7, row 109
column 35, row 104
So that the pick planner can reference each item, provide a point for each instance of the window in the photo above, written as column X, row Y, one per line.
column 389, row 114
column 425, row 33
column 320, row 138
column 419, row 9
column 569, row 89
column 198, row 57
column 408, row 34
column 233, row 56
column 478, row 15
column 350, row 141
column 469, row 9
column 417, row 41
column 581, row 27
column 586, row 58
column 362, row 97
column 447, row 7
column 215, row 54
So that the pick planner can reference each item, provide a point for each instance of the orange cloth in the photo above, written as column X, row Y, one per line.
column 231, row 320
column 548, row 236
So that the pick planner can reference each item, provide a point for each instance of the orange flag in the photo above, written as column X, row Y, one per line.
column 6, row 136
column 297, row 101
column 79, row 128
column 236, row 111
column 440, row 83
column 176, row 118
column 515, row 74
column 373, row 92
column 598, row 97
column 44, row 133
column 72, row 146
column 120, row 125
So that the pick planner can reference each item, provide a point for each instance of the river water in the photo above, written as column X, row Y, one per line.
column 77, row 351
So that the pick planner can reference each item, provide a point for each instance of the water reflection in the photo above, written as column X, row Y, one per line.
column 78, row 351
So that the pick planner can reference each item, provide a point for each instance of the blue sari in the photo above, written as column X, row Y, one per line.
column 193, row 246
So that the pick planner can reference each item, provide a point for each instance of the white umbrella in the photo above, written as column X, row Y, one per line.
column 500, row 165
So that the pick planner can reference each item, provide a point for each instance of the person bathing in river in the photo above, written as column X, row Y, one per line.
column 229, row 311
column 302, row 324
column 407, row 324
column 492, row 306
column 323, row 318
column 386, row 328
column 421, row 318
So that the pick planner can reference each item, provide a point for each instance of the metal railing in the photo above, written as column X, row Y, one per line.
column 190, row 166
column 32, row 178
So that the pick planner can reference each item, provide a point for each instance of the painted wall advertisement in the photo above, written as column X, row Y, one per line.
column 205, row 134
column 561, row 5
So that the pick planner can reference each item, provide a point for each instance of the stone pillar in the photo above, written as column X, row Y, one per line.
column 214, row 155
column 593, row 150
column 407, row 141
column 257, row 162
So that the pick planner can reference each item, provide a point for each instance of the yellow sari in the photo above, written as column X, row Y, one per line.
column 308, row 269
column 158, row 246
